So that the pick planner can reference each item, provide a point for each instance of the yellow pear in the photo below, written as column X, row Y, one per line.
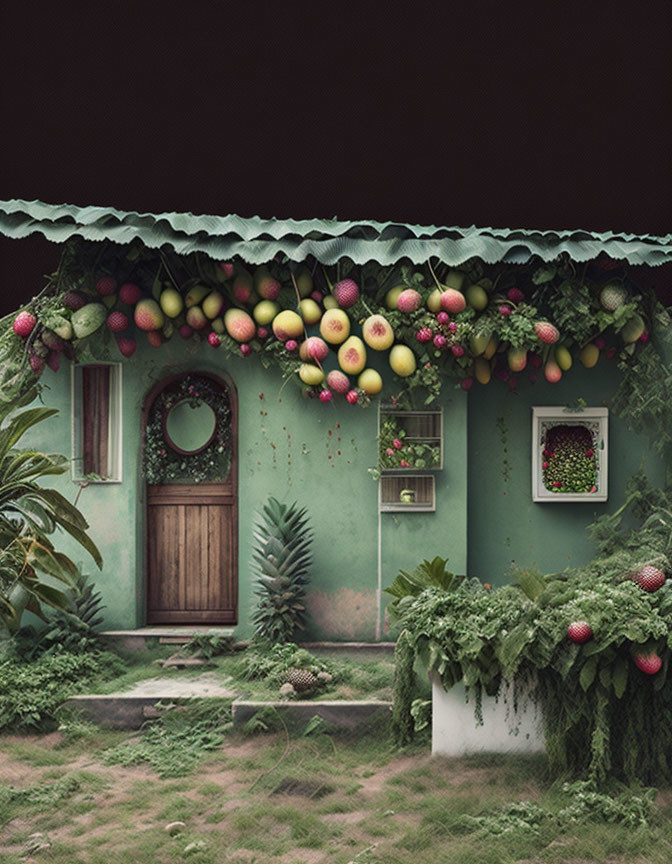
column 352, row 356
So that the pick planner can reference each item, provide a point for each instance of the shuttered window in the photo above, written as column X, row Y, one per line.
column 96, row 423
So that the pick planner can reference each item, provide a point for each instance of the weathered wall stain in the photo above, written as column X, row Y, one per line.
column 342, row 614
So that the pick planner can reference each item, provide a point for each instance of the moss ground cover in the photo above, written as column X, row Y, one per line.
column 310, row 799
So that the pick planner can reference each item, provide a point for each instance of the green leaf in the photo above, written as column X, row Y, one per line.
column 620, row 677
column 606, row 676
column 588, row 671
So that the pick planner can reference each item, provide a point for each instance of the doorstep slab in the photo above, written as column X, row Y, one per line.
column 137, row 639
column 342, row 714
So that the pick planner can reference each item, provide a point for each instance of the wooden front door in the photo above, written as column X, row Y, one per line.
column 191, row 527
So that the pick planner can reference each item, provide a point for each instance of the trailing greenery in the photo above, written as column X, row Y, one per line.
column 602, row 715
column 29, row 516
column 175, row 744
column 31, row 693
column 282, row 554
column 404, row 690
column 644, row 395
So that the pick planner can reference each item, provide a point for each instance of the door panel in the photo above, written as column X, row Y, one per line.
column 191, row 559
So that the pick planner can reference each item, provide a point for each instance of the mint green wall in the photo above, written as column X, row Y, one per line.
column 505, row 526
column 319, row 455
column 290, row 448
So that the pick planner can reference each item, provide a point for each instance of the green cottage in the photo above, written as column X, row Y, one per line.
column 420, row 391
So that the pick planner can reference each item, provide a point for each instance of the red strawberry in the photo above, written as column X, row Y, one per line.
column 129, row 293
column 291, row 344
column 352, row 397
column 648, row 663
column 457, row 350
column 262, row 333
column 505, row 310
column 579, row 632
column 24, row 324
column 424, row 334
column 346, row 293
column 515, row 295
column 245, row 350
column 439, row 341
column 650, row 578
column 106, row 286
column 117, row 321
column 326, row 395
column 213, row 339
column 185, row 331
column 443, row 317
column 154, row 338
column 466, row 383
column 73, row 301
column 546, row 332
column 126, row 345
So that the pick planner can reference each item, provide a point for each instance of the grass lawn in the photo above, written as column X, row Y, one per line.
column 269, row 798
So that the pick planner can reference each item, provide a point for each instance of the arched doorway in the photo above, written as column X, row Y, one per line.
column 189, row 464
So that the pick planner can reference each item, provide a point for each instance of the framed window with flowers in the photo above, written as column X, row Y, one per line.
column 570, row 454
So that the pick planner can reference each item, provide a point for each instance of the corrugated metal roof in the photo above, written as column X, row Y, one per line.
column 258, row 240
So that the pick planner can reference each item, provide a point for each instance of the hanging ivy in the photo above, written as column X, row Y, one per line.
column 162, row 463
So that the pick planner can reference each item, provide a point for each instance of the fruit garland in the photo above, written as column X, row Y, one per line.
column 163, row 464
column 433, row 323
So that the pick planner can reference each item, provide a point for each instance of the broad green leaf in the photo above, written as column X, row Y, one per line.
column 587, row 674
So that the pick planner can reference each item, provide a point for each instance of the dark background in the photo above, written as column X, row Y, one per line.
column 520, row 115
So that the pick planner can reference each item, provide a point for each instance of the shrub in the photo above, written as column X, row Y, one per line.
column 602, row 715
column 31, row 693
column 29, row 515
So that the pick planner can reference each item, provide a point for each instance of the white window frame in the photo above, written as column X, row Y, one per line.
column 559, row 415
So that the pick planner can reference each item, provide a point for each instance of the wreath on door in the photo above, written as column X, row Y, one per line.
column 163, row 462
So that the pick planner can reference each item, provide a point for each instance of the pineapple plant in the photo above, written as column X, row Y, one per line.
column 283, row 538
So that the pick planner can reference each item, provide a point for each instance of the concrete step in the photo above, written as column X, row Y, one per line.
column 129, row 709
column 341, row 714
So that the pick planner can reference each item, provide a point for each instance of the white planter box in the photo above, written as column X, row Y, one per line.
column 596, row 422
column 454, row 729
